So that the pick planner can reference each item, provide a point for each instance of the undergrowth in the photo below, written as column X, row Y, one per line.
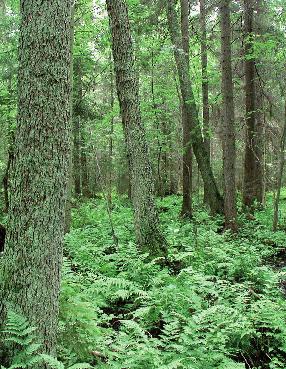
column 219, row 303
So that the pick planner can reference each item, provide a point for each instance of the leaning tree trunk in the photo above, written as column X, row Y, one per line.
column 186, row 211
column 148, row 232
column 39, row 170
column 229, row 152
column 214, row 198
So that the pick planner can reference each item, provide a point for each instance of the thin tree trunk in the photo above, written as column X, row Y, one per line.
column 76, row 128
column 110, row 146
column 214, row 198
column 147, row 228
column 229, row 152
column 186, row 210
column 259, row 134
column 83, row 162
column 205, row 82
column 252, row 176
column 76, row 157
column 39, row 172
column 280, row 174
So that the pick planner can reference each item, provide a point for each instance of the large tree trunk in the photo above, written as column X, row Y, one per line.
column 148, row 232
column 253, row 184
column 229, row 152
column 205, row 82
column 214, row 198
column 187, row 145
column 39, row 171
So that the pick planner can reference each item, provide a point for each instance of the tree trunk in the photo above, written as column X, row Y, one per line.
column 76, row 127
column 148, row 232
column 76, row 157
column 214, row 198
column 205, row 82
column 229, row 152
column 259, row 134
column 252, row 165
column 110, row 148
column 186, row 210
column 83, row 162
column 39, row 170
column 280, row 174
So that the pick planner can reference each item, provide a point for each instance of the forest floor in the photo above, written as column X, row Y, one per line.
column 218, row 303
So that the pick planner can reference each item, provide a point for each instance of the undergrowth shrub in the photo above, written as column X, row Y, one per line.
column 216, row 304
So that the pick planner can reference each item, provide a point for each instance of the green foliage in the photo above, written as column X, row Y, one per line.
column 217, row 304
column 21, row 338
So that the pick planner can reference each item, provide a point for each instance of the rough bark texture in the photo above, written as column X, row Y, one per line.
column 39, row 172
column 187, row 145
column 148, row 232
column 229, row 152
column 214, row 198
column 205, row 81
column 252, row 164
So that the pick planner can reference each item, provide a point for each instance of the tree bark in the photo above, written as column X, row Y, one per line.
column 205, row 82
column 229, row 152
column 110, row 148
column 38, row 180
column 259, row 135
column 148, row 233
column 214, row 198
column 186, row 210
column 252, row 165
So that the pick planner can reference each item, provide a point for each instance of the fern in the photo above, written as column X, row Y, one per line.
column 17, row 331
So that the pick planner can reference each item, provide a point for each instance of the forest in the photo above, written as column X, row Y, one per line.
column 142, row 184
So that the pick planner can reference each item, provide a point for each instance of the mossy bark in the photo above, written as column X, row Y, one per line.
column 148, row 232
column 30, row 279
